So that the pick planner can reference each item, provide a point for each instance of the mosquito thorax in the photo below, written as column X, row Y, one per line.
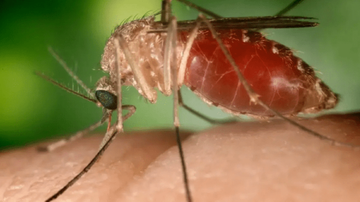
column 135, row 35
column 147, row 50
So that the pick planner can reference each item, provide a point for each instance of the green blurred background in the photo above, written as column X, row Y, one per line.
column 32, row 109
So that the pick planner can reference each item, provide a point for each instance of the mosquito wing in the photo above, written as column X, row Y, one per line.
column 246, row 23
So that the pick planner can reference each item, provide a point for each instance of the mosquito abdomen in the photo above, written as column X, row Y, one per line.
column 283, row 81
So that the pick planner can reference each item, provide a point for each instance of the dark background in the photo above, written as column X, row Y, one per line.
column 32, row 109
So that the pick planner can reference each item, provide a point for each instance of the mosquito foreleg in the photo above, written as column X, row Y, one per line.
column 147, row 91
column 119, row 123
column 254, row 98
column 131, row 109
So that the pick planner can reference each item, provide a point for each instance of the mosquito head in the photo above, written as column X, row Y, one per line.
column 107, row 99
column 106, row 93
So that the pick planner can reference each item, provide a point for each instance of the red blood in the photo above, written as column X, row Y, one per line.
column 280, row 78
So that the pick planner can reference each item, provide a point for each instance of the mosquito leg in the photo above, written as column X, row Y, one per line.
column 71, row 73
column 285, row 10
column 202, row 10
column 165, row 11
column 254, row 98
column 193, row 34
column 119, row 123
column 172, row 34
column 110, row 133
column 131, row 108
column 165, row 17
column 181, row 74
column 120, row 107
column 289, row 7
column 170, row 65
column 168, row 53
column 215, row 16
column 200, row 115
column 74, row 137
column 147, row 90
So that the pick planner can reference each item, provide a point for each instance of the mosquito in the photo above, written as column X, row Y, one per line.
column 225, row 61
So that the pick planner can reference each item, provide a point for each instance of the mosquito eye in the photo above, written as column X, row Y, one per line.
column 108, row 100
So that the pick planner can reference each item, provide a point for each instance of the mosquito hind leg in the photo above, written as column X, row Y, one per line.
column 282, row 12
column 288, row 8
column 202, row 116
column 181, row 74
column 254, row 97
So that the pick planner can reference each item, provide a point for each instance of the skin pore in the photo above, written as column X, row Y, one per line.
column 243, row 161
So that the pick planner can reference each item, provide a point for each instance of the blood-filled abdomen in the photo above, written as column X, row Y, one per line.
column 283, row 81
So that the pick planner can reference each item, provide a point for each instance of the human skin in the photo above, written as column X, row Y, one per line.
column 248, row 161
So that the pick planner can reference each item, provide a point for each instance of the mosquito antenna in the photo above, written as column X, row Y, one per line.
column 71, row 73
column 64, row 87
